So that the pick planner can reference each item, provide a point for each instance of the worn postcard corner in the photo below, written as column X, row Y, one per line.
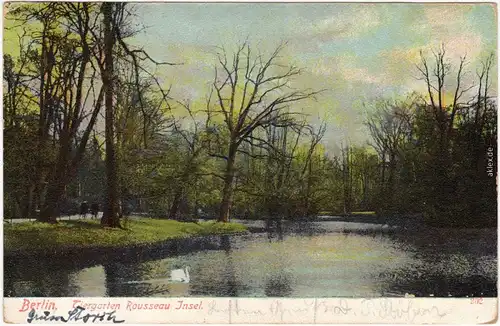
column 493, row 321
column 250, row 163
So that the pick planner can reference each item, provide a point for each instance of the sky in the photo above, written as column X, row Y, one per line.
column 356, row 52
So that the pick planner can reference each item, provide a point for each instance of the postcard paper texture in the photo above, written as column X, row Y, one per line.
column 291, row 163
column 250, row 311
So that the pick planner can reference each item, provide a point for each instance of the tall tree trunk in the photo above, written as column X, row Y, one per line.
column 28, row 209
column 308, row 189
column 43, row 123
column 383, row 171
column 49, row 211
column 175, row 205
column 180, row 190
column 110, row 216
column 346, row 178
column 365, row 188
column 382, row 185
column 389, row 191
column 57, row 179
column 227, row 193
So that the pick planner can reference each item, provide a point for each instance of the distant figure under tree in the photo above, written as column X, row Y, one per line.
column 94, row 210
column 84, row 209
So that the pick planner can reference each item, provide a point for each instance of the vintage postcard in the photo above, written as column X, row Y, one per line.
column 236, row 162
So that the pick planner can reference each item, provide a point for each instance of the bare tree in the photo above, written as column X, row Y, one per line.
column 316, row 137
column 195, row 140
column 482, row 98
column 390, row 127
column 252, row 91
column 436, row 78
column 347, row 177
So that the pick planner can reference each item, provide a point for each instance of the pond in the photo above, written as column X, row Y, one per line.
column 320, row 259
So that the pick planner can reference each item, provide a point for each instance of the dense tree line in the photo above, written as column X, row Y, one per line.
column 86, row 119
column 437, row 156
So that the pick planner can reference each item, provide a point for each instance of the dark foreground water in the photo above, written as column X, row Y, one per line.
column 321, row 259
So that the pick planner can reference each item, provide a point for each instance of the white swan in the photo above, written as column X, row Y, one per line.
column 180, row 275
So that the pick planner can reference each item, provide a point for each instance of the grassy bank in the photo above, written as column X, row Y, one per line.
column 29, row 236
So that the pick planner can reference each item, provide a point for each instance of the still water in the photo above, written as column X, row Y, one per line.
column 317, row 260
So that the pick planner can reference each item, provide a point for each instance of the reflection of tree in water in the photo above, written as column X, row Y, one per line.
column 442, row 276
column 128, row 281
column 278, row 285
column 231, row 285
column 225, row 283
column 8, row 286
column 274, row 227
column 453, row 264
column 439, row 285
column 33, row 279
column 277, row 228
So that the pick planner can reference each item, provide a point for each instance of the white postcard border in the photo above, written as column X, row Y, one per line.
column 250, row 311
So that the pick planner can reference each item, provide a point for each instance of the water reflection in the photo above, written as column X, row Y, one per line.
column 221, row 280
column 230, row 271
column 38, row 280
column 438, row 285
column 305, row 263
column 274, row 228
column 90, row 282
column 278, row 285
column 114, row 283
column 118, row 281
column 447, row 263
column 278, row 282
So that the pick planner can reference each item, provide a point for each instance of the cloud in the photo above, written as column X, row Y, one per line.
column 348, row 69
column 448, row 24
column 399, row 65
column 361, row 20
column 469, row 44
column 352, row 23
column 362, row 75
column 440, row 17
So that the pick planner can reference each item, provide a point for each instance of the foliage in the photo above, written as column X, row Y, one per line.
column 434, row 156
column 246, row 150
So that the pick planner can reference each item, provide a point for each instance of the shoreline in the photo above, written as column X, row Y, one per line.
column 87, row 238
column 78, row 258
column 194, row 242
